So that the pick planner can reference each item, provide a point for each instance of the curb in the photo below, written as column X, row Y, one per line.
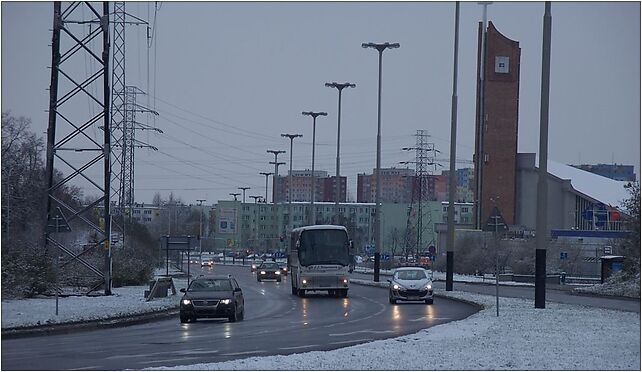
column 88, row 325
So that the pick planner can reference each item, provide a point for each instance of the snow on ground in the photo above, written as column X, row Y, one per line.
column 560, row 337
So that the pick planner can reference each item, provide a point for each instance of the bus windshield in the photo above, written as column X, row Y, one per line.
column 324, row 247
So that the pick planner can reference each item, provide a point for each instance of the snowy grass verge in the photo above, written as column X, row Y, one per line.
column 560, row 337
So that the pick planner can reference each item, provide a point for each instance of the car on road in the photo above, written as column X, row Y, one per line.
column 268, row 270
column 212, row 297
column 411, row 284
column 255, row 265
column 207, row 262
column 194, row 260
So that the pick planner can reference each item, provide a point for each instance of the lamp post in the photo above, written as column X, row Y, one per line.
column 275, row 177
column 291, row 137
column 380, row 48
column 235, row 194
column 340, row 88
column 266, row 174
column 244, row 188
column 200, row 227
column 314, row 128
column 256, row 197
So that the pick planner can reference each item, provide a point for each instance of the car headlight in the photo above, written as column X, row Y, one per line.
column 397, row 287
column 428, row 286
column 277, row 272
column 187, row 302
column 226, row 301
column 285, row 269
column 262, row 272
column 345, row 281
column 254, row 266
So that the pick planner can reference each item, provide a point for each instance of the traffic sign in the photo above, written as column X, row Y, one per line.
column 495, row 222
column 58, row 223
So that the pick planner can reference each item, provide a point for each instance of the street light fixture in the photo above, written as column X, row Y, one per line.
column 314, row 128
column 266, row 174
column 380, row 48
column 291, row 137
column 200, row 227
column 256, row 197
column 244, row 188
column 340, row 88
column 235, row 194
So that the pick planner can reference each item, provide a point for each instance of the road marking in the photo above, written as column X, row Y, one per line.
column 167, row 360
column 355, row 332
column 245, row 353
column 424, row 318
column 350, row 341
column 297, row 347
column 90, row 367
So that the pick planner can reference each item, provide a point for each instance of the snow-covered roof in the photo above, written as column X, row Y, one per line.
column 603, row 189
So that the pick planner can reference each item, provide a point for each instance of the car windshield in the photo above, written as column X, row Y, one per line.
column 410, row 275
column 318, row 247
column 269, row 266
column 199, row 285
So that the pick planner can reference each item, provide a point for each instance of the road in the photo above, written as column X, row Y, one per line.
column 554, row 295
column 276, row 322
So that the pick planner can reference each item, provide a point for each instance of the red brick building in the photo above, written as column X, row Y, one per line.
column 498, row 137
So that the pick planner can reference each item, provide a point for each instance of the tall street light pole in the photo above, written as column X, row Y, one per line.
column 290, row 220
column 314, row 129
column 266, row 174
column 380, row 48
column 243, row 189
column 275, row 177
column 452, row 188
column 337, row 186
column 541, row 229
column 200, row 227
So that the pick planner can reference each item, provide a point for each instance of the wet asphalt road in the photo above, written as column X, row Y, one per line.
column 276, row 322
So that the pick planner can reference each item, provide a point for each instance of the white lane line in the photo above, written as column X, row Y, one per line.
column 174, row 360
column 355, row 332
column 90, row 367
column 245, row 353
column 424, row 318
column 297, row 347
column 194, row 352
column 350, row 341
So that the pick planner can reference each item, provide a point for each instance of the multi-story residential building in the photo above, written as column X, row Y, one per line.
column 618, row 172
column 397, row 186
column 301, row 187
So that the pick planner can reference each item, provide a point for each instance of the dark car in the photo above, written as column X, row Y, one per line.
column 255, row 265
column 212, row 297
column 268, row 270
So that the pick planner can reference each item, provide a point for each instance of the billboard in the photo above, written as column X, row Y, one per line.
column 227, row 221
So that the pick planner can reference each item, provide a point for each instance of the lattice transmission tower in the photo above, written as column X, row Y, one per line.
column 75, row 151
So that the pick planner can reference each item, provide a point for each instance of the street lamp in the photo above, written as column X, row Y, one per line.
column 340, row 88
column 200, row 227
column 256, row 197
column 380, row 48
column 235, row 194
column 266, row 174
column 291, row 137
column 244, row 188
column 314, row 128
column 276, row 171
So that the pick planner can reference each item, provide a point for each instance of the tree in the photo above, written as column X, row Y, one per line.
column 631, row 245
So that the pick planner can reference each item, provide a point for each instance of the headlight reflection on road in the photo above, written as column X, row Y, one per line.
column 396, row 314
column 305, row 310
column 346, row 304
column 430, row 312
column 227, row 331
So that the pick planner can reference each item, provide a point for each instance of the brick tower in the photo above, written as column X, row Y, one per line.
column 497, row 140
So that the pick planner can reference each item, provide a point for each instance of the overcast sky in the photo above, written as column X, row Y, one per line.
column 228, row 78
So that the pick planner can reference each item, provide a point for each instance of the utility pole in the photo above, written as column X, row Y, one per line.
column 340, row 88
column 452, row 189
column 275, row 178
column 290, row 219
column 244, row 188
column 200, row 227
column 314, row 135
column 266, row 174
column 380, row 48
column 541, row 229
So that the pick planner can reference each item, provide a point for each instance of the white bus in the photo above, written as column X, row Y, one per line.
column 319, row 258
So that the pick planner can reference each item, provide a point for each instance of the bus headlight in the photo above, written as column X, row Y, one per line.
column 304, row 282
column 345, row 281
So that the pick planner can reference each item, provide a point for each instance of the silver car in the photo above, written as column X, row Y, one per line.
column 411, row 284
